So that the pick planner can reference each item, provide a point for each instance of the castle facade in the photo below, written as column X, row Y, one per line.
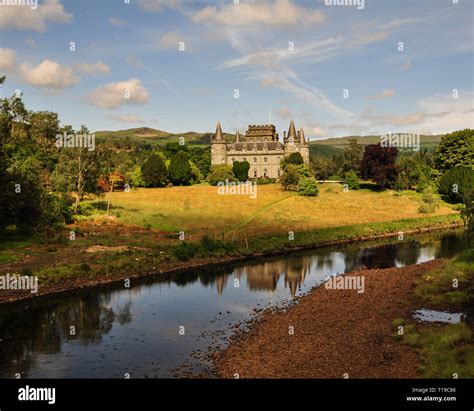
column 260, row 147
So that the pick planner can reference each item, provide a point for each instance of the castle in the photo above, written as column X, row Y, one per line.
column 260, row 147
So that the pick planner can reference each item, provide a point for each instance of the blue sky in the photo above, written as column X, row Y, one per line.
column 293, row 58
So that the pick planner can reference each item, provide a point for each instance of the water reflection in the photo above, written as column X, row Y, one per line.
column 119, row 331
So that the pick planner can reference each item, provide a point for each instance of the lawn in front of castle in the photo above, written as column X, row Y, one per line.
column 199, row 210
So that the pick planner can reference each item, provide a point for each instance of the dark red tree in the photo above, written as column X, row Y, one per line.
column 379, row 164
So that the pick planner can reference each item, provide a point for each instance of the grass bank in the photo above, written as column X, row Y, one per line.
column 446, row 351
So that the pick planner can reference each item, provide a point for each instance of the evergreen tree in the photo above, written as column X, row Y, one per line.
column 180, row 172
column 241, row 170
column 154, row 172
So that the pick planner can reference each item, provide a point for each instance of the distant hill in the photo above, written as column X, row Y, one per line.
column 343, row 142
column 147, row 134
column 323, row 148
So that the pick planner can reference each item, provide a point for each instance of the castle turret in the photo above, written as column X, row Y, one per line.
column 291, row 137
column 237, row 137
column 218, row 147
column 218, row 134
column 304, row 147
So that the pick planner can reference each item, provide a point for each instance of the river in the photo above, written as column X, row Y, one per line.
column 165, row 327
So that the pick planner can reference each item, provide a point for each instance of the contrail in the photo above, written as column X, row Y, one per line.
column 159, row 78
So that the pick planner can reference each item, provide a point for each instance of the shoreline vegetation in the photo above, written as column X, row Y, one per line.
column 99, row 263
column 343, row 334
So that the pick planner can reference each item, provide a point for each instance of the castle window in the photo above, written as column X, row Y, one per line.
column 233, row 159
column 245, row 158
column 255, row 159
column 255, row 173
column 278, row 172
column 265, row 172
column 264, row 159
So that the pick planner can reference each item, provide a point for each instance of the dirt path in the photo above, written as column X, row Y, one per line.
column 335, row 332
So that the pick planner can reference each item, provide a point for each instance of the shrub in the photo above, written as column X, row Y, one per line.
column 265, row 180
column 308, row 186
column 352, row 180
column 185, row 251
column 429, row 202
column 221, row 172
column 211, row 245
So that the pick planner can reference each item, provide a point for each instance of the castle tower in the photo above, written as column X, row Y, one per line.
column 304, row 147
column 291, row 139
column 237, row 137
column 218, row 147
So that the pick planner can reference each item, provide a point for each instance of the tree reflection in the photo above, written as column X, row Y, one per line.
column 43, row 328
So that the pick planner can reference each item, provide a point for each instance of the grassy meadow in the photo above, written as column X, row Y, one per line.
column 200, row 210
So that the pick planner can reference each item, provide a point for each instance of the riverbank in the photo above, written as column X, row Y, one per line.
column 340, row 333
column 100, row 265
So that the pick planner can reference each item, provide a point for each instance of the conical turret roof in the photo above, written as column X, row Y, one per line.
column 302, row 138
column 218, row 135
column 292, row 132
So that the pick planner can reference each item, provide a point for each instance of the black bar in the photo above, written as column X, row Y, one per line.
column 315, row 394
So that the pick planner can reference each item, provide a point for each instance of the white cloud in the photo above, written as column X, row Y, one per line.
column 114, row 95
column 158, row 5
column 26, row 18
column 126, row 118
column 383, row 94
column 170, row 40
column 48, row 75
column 433, row 115
column 7, row 60
column 117, row 22
column 262, row 12
column 283, row 112
column 446, row 114
column 93, row 68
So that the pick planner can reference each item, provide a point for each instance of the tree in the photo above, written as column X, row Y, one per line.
column 467, row 214
column 323, row 168
column 21, row 181
column 379, row 164
column 136, row 178
column 293, row 158
column 456, row 182
column 455, row 149
column 410, row 174
column 352, row 180
column 241, row 170
column 78, row 170
column 292, row 176
column 353, row 155
column 308, row 186
column 114, row 179
column 180, row 172
column 220, row 173
column 154, row 172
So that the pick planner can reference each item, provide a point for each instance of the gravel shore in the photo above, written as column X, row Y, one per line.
column 336, row 333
